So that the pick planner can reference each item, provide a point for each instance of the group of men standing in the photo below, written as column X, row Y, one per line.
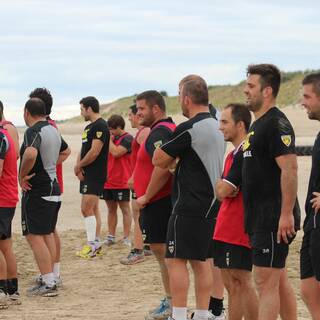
column 188, row 207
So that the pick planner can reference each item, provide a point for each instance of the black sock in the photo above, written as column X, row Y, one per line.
column 139, row 251
column 216, row 306
column 12, row 285
column 3, row 285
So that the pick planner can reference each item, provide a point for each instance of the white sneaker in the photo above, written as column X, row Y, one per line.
column 126, row 241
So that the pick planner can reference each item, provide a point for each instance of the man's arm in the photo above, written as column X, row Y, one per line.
column 1, row 167
column 63, row 155
column 117, row 151
column 27, row 162
column 289, row 186
column 162, row 160
column 225, row 189
column 158, row 179
column 14, row 135
column 91, row 155
column 143, row 135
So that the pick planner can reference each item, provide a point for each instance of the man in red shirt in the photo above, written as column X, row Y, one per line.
column 116, row 191
column 138, row 252
column 8, row 202
column 45, row 95
column 232, row 252
column 153, row 187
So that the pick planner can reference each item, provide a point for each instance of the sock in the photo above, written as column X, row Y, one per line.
column 216, row 306
column 138, row 251
column 201, row 314
column 179, row 313
column 12, row 286
column 56, row 269
column 91, row 225
column 48, row 279
column 3, row 285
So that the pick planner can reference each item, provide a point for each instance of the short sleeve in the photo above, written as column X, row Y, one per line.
column 100, row 132
column 179, row 143
column 64, row 145
column 126, row 142
column 32, row 138
column 281, row 138
column 4, row 146
column 157, row 138
column 235, row 173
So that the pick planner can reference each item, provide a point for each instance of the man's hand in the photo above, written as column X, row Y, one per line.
column 80, row 176
column 24, row 182
column 130, row 183
column 77, row 169
column 286, row 228
column 316, row 201
column 142, row 201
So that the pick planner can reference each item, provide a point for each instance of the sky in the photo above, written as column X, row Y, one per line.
column 111, row 49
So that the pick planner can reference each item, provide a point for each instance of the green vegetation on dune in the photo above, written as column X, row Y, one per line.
column 219, row 95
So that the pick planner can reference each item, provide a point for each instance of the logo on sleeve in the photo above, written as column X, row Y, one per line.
column 286, row 139
column 99, row 134
column 246, row 143
column 158, row 144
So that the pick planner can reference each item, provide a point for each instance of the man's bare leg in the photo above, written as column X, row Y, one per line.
column 127, row 217
column 137, row 234
column 288, row 302
column 216, row 298
column 98, row 220
column 112, row 217
column 310, row 291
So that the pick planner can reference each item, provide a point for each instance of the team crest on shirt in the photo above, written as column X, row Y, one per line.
column 99, row 134
column 286, row 139
column 171, row 246
column 85, row 135
column 246, row 143
column 158, row 144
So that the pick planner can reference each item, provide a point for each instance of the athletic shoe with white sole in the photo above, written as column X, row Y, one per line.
column 162, row 312
column 43, row 290
column 132, row 258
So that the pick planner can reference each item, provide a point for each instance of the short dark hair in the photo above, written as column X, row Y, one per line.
column 134, row 109
column 36, row 107
column 90, row 102
column 314, row 79
column 45, row 95
column 152, row 98
column 1, row 110
column 270, row 76
column 196, row 90
column 240, row 112
column 116, row 121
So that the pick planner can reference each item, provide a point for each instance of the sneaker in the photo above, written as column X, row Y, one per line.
column 43, row 290
column 163, row 311
column 14, row 298
column 3, row 300
column 147, row 251
column 126, row 241
column 110, row 240
column 38, row 280
column 89, row 251
column 132, row 258
column 58, row 281
column 212, row 316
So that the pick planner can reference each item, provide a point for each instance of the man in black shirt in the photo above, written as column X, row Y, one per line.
column 91, row 170
column 310, row 249
column 269, row 187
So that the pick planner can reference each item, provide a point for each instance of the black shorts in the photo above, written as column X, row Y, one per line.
column 189, row 237
column 6, row 216
column 154, row 219
column 116, row 194
column 133, row 195
column 211, row 244
column 94, row 187
column 38, row 216
column 310, row 255
column 266, row 252
column 231, row 256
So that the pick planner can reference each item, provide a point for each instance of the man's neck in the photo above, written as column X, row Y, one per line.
column 264, row 109
column 239, row 139
column 94, row 117
column 197, row 109
column 157, row 119
column 33, row 121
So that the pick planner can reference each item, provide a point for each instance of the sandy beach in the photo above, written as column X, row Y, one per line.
column 102, row 288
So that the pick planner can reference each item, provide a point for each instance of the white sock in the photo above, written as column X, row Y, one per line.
column 91, row 225
column 179, row 313
column 56, row 269
column 48, row 279
column 201, row 315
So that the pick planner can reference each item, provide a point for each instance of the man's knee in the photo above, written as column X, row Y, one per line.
column 267, row 278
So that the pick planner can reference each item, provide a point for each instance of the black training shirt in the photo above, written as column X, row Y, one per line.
column 269, row 137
